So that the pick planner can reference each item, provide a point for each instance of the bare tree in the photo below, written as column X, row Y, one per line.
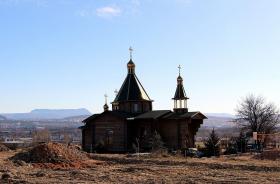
column 67, row 139
column 254, row 114
column 41, row 136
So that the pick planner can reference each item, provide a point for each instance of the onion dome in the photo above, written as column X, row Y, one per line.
column 106, row 107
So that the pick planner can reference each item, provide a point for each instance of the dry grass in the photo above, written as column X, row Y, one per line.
column 125, row 169
column 3, row 147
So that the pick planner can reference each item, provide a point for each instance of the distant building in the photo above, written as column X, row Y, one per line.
column 132, row 117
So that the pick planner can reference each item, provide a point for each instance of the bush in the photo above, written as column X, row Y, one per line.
column 152, row 142
column 156, row 142
column 212, row 144
column 241, row 143
column 232, row 148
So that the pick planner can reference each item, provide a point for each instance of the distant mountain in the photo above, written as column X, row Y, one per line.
column 221, row 115
column 47, row 114
column 219, row 122
column 2, row 118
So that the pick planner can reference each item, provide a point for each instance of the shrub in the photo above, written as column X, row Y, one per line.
column 212, row 144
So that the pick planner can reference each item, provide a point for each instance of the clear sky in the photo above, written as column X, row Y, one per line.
column 69, row 53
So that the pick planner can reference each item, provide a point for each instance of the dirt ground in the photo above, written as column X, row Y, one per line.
column 127, row 169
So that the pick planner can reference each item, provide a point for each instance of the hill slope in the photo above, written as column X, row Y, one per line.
column 218, row 122
column 3, row 118
column 41, row 114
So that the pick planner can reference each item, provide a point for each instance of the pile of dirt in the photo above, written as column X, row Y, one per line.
column 51, row 153
column 269, row 155
column 4, row 148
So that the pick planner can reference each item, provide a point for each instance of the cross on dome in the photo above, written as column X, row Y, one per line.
column 130, row 51
column 106, row 96
column 179, row 70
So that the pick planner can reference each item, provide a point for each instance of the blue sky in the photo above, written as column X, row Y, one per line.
column 69, row 53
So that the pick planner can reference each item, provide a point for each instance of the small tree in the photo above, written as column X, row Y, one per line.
column 231, row 148
column 254, row 114
column 156, row 142
column 151, row 142
column 41, row 136
column 241, row 142
column 212, row 144
column 136, row 146
column 67, row 139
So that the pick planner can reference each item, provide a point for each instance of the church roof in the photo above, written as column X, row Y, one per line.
column 158, row 114
column 167, row 114
column 193, row 115
column 180, row 91
column 153, row 114
column 123, row 115
column 132, row 89
column 91, row 118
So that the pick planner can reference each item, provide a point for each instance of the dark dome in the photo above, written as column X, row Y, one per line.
column 180, row 78
column 106, row 107
column 130, row 63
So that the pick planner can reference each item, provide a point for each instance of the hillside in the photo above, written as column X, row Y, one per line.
column 48, row 114
column 218, row 122
column 2, row 118
column 220, row 115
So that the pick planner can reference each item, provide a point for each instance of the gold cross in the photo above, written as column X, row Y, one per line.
column 130, row 51
column 106, row 96
column 179, row 69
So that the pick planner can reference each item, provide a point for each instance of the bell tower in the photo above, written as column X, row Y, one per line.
column 180, row 97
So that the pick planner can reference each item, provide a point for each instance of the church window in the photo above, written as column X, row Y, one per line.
column 136, row 108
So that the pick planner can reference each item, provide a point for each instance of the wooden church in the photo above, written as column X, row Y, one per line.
column 132, row 119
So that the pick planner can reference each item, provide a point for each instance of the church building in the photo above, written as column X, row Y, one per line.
column 132, row 119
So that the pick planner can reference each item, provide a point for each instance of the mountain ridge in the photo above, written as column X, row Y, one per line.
column 221, row 115
column 44, row 114
column 3, row 118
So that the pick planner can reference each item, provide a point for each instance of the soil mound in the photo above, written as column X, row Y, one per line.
column 51, row 153
column 4, row 148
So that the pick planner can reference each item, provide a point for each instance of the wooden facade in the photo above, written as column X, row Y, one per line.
column 132, row 117
column 118, row 133
column 109, row 130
